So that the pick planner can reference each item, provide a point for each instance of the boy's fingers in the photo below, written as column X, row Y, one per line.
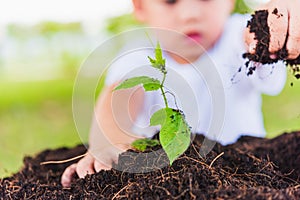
column 85, row 166
column 278, row 26
column 293, row 42
column 66, row 177
column 250, row 41
column 107, row 157
column 99, row 166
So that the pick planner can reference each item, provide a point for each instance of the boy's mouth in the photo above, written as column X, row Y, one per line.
column 196, row 37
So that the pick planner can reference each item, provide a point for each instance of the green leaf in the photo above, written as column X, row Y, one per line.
column 159, row 62
column 175, row 132
column 158, row 55
column 142, row 144
column 150, row 84
column 159, row 117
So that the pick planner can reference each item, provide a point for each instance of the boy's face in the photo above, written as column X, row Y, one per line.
column 199, row 20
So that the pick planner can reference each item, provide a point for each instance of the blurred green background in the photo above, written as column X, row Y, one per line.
column 38, row 67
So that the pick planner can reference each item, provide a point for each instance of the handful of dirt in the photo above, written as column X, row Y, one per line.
column 259, row 26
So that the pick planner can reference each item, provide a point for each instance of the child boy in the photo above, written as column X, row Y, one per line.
column 208, row 23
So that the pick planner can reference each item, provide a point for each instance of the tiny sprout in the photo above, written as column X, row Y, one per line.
column 175, row 132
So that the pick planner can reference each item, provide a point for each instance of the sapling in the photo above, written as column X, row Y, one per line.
column 175, row 133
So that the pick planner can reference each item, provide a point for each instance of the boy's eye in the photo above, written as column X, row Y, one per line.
column 171, row 1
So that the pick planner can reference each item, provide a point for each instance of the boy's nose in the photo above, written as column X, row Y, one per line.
column 189, row 10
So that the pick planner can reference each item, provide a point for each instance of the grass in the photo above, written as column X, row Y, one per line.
column 282, row 112
column 34, row 116
column 38, row 115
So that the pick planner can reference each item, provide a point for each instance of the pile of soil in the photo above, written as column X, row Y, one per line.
column 251, row 168
column 259, row 26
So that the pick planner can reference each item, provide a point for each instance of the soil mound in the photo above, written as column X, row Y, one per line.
column 251, row 168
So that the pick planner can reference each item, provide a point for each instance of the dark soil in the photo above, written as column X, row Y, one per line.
column 252, row 168
column 259, row 25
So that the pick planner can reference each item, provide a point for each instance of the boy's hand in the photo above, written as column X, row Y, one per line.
column 91, row 163
column 284, row 24
column 87, row 165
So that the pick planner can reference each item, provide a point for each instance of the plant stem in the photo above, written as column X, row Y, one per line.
column 162, row 89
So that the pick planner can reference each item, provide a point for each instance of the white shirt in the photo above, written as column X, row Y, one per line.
column 217, row 96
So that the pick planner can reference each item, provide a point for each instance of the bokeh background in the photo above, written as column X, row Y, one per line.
column 42, row 46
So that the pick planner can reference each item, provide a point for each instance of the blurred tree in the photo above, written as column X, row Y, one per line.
column 46, row 28
column 121, row 23
column 241, row 7
column 19, row 31
column 49, row 28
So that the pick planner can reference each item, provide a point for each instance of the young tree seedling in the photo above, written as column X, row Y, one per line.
column 175, row 133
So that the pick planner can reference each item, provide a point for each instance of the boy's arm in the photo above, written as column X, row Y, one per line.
column 114, row 115
column 283, row 24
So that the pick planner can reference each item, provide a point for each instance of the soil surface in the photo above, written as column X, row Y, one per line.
column 251, row 168
column 259, row 25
